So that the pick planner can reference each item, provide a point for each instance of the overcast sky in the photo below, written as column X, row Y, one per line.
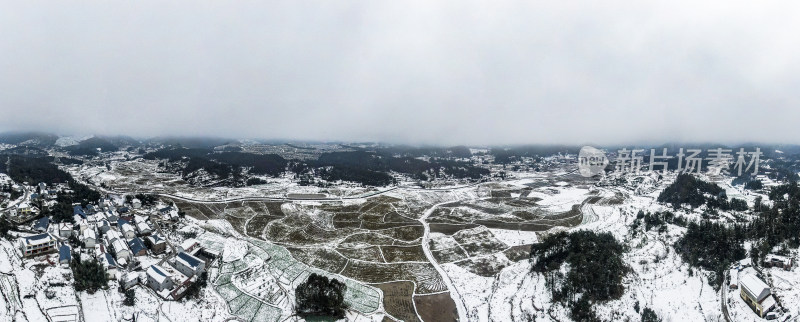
column 433, row 72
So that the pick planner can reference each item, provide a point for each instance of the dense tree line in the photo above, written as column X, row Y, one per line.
column 35, row 169
column 25, row 150
column 147, row 200
column 89, row 275
column 70, row 161
column 89, row 147
column 34, row 138
column 688, row 190
column 365, row 177
column 372, row 167
column 695, row 192
column 5, row 226
column 368, row 168
column 754, row 185
column 712, row 246
column 784, row 170
column 190, row 142
column 321, row 296
column 657, row 220
column 596, row 269
column 722, row 203
column 255, row 181
column 264, row 164
column 223, row 165
column 781, row 222
column 434, row 152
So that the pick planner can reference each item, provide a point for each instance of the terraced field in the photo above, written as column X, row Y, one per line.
column 375, row 246
column 258, row 286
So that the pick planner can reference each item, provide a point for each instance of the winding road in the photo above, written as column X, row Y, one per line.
column 426, row 248
column 371, row 194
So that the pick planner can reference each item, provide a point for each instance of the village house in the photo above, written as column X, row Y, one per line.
column 104, row 226
column 78, row 211
column 756, row 294
column 89, row 238
column 83, row 224
column 156, row 244
column 112, row 236
column 110, row 265
column 37, row 244
column 158, row 278
column 65, row 230
column 143, row 228
column 111, row 215
column 42, row 225
column 188, row 246
column 137, row 247
column 126, row 228
column 24, row 209
column 121, row 251
column 189, row 265
column 169, row 213
column 129, row 280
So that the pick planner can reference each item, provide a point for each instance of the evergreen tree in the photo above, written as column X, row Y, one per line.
column 319, row 295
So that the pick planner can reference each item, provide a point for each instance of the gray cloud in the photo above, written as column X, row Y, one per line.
column 447, row 72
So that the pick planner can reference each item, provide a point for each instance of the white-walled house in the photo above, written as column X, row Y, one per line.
column 89, row 238
column 112, row 235
column 127, row 230
column 143, row 228
column 37, row 244
column 188, row 245
column 120, row 249
column 158, row 278
column 129, row 280
column 65, row 230
column 189, row 265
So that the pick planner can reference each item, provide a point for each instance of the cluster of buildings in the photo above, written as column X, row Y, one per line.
column 172, row 279
column 121, row 237
column 41, row 195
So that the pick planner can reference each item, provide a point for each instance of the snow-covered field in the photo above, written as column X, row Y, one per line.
column 254, row 279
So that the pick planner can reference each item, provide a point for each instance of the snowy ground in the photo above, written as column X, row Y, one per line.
column 659, row 279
